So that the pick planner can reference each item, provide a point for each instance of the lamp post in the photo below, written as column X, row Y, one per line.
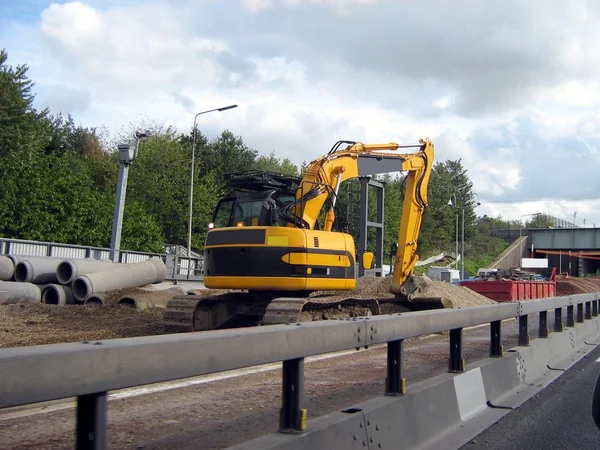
column 126, row 156
column 462, row 252
column 520, row 223
column 454, row 205
column 224, row 108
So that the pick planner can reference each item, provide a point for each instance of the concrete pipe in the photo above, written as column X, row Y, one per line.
column 7, row 268
column 150, row 299
column 151, row 271
column 69, row 269
column 57, row 294
column 37, row 269
column 12, row 292
column 95, row 300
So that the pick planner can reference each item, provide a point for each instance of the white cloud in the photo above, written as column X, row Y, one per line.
column 510, row 89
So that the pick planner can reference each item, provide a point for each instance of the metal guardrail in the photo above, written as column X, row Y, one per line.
column 88, row 370
column 178, row 267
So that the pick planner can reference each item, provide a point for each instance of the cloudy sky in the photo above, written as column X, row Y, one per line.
column 510, row 87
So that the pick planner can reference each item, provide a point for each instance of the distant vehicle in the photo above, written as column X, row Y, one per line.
column 443, row 274
column 483, row 273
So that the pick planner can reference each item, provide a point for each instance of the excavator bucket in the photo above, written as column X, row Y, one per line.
column 414, row 295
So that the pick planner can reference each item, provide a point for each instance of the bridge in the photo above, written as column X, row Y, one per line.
column 573, row 250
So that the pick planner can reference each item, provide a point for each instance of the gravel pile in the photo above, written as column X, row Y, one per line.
column 379, row 287
column 572, row 286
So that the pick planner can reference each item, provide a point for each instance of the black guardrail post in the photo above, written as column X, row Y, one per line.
column 558, row 325
column 588, row 310
column 543, row 327
column 570, row 318
column 91, row 421
column 395, row 383
column 496, row 349
column 292, row 418
column 523, row 331
column 456, row 363
column 595, row 308
column 580, row 313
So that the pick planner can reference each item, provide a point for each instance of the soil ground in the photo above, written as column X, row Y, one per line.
column 36, row 324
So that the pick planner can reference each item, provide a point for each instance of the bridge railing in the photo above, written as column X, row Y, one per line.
column 88, row 370
column 178, row 267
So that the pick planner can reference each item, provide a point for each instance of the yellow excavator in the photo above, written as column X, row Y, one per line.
column 274, row 250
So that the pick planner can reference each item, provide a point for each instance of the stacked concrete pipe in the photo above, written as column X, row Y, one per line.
column 7, row 268
column 57, row 294
column 151, row 271
column 36, row 269
column 69, row 269
column 14, row 292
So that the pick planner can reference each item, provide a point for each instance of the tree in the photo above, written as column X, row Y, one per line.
column 21, row 127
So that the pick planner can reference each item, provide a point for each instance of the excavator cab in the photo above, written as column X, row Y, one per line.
column 261, row 199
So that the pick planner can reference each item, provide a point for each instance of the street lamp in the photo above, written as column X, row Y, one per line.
column 525, row 215
column 126, row 157
column 462, row 252
column 224, row 108
column 453, row 204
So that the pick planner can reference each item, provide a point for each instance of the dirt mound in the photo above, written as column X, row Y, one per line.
column 36, row 324
column 572, row 286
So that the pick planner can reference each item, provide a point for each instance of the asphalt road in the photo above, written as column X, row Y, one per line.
column 559, row 417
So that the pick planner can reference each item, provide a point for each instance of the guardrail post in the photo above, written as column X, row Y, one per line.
column 588, row 310
column 558, row 325
column 456, row 363
column 523, row 331
column 292, row 417
column 595, row 308
column 91, row 421
column 395, row 383
column 580, row 313
column 543, row 327
column 570, row 319
column 496, row 349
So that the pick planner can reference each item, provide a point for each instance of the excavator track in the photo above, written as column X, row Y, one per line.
column 291, row 310
column 186, row 313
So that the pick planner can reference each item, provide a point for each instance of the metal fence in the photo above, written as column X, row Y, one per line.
column 178, row 267
column 88, row 370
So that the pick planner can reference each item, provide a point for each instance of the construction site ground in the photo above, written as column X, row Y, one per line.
column 224, row 409
column 37, row 324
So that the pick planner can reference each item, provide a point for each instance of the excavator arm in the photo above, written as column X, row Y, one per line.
column 322, row 179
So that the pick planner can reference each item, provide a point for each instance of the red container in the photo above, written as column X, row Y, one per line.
column 510, row 290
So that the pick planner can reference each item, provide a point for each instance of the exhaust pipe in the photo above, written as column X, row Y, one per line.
column 151, row 271
column 56, row 294
column 12, row 292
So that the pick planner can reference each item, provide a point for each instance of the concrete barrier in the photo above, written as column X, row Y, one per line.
column 445, row 411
